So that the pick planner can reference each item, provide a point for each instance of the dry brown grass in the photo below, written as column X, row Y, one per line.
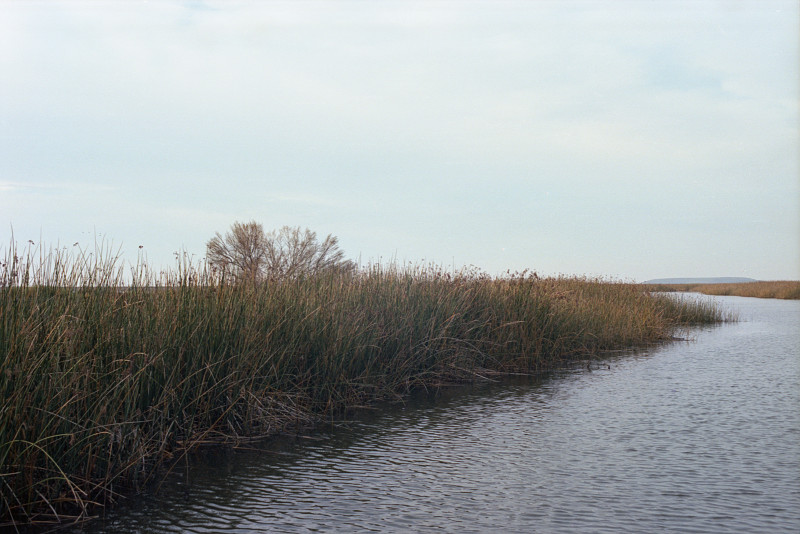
column 778, row 289
column 102, row 380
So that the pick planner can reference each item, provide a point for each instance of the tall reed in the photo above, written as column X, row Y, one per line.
column 105, row 374
column 776, row 289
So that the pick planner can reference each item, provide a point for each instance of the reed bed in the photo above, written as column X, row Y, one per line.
column 108, row 374
column 777, row 289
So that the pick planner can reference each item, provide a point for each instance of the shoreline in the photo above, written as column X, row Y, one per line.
column 104, row 388
column 778, row 289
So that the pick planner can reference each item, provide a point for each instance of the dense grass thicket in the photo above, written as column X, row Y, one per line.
column 106, row 373
column 778, row 289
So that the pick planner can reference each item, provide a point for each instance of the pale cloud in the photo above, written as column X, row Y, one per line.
column 304, row 199
column 16, row 186
column 57, row 187
column 426, row 129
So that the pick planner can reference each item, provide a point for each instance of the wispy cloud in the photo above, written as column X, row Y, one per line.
column 13, row 186
column 304, row 199
column 72, row 187
column 426, row 128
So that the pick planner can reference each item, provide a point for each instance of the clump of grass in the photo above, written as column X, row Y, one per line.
column 782, row 289
column 106, row 374
column 777, row 289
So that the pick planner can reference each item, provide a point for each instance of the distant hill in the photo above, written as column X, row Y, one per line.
column 718, row 280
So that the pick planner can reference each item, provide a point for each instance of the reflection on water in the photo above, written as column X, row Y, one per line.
column 692, row 437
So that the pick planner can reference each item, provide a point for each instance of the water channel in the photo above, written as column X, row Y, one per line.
column 694, row 436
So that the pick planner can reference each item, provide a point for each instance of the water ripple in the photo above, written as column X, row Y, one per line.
column 693, row 437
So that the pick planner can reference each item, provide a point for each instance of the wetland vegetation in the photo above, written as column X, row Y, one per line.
column 777, row 289
column 110, row 373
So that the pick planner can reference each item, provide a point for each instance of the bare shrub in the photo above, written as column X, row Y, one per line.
column 247, row 253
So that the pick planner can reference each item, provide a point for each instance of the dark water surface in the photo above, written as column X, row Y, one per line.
column 699, row 436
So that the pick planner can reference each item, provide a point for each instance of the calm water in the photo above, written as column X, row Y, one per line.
column 699, row 436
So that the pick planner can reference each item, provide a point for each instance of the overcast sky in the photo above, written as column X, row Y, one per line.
column 630, row 140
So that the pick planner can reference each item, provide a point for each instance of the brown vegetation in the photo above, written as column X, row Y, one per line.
column 248, row 253
column 781, row 289
column 103, row 380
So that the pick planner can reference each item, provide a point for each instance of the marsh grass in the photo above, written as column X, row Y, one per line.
column 108, row 374
column 778, row 289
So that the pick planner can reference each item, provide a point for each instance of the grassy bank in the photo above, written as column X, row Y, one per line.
column 780, row 289
column 107, row 375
